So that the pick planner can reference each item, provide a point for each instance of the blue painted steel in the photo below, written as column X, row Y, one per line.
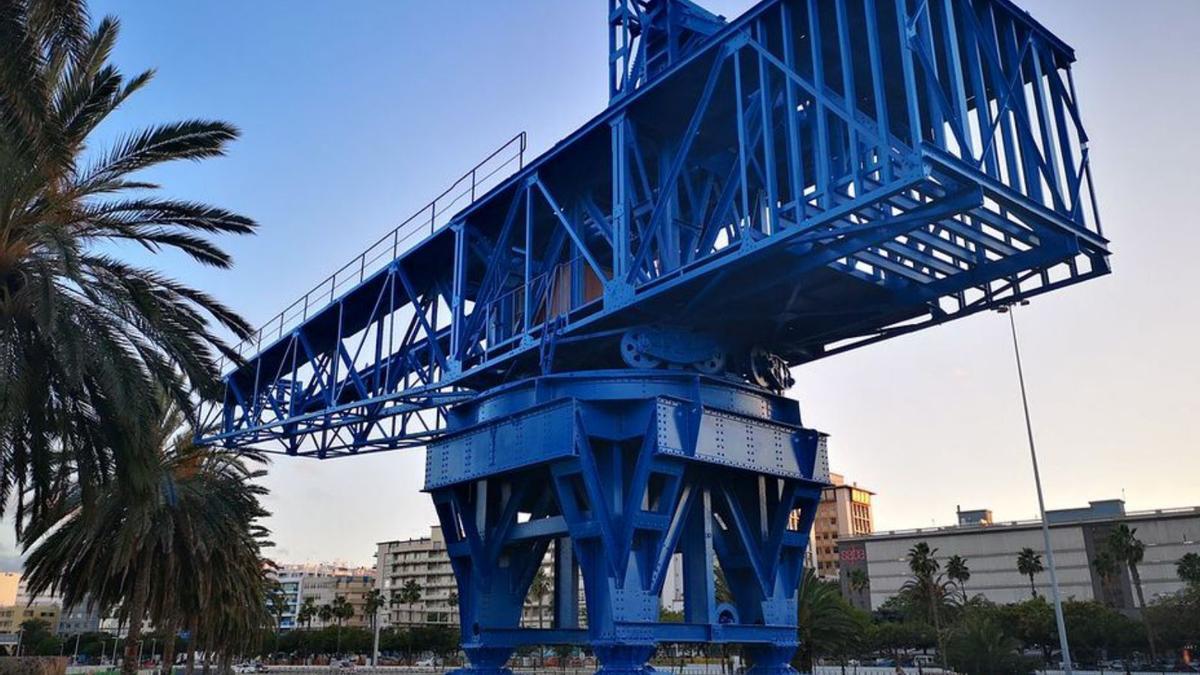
column 811, row 177
column 624, row 469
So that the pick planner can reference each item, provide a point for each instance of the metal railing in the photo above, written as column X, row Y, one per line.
column 1127, row 515
column 424, row 222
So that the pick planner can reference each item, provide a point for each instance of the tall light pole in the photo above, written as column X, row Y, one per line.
column 375, row 647
column 1037, row 481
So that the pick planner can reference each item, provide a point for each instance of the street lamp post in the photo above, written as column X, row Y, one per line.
column 375, row 647
column 1037, row 481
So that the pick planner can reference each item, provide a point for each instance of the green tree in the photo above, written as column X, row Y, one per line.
column 325, row 614
column 1126, row 548
column 1108, row 568
column 893, row 637
column 1188, row 569
column 277, row 605
column 827, row 625
column 307, row 612
column 539, row 588
column 340, row 611
column 38, row 639
column 1097, row 631
column 408, row 594
column 1176, row 620
column 151, row 555
column 372, row 603
column 958, row 572
column 978, row 645
column 88, row 340
column 927, row 587
column 1029, row 564
column 857, row 580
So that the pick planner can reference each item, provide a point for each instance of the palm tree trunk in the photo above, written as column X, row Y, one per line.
column 141, row 590
column 1032, row 588
column 193, row 641
column 168, row 658
column 1137, row 586
column 937, row 627
column 204, row 646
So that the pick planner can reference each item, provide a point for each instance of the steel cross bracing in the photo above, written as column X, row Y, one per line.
column 592, row 351
column 812, row 177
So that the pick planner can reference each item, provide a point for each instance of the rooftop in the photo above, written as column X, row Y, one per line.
column 1095, row 512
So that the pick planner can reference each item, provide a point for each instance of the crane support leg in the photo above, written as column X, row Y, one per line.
column 627, row 475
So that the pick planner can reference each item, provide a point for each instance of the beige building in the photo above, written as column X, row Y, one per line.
column 424, row 563
column 10, row 586
column 323, row 583
column 844, row 511
column 12, row 616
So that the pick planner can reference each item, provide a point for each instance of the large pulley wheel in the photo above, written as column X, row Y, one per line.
column 768, row 370
column 633, row 350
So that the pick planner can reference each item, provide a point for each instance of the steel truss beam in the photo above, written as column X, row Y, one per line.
column 830, row 144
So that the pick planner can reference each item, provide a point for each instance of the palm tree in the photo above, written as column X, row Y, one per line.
column 88, row 340
column 1128, row 550
column 372, row 603
column 1029, row 564
column 539, row 588
column 1188, row 569
column 341, row 610
column 1108, row 569
column 928, row 586
column 307, row 612
column 824, row 621
column 325, row 614
column 185, row 554
column 858, row 580
column 276, row 604
column 980, row 645
column 958, row 572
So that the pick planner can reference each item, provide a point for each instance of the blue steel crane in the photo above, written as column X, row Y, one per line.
column 592, row 346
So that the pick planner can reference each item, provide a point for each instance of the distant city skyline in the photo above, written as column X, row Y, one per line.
column 353, row 119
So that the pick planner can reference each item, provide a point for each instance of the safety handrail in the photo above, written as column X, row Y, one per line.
column 469, row 187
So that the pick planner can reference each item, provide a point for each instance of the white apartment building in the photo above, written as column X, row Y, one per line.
column 991, row 548
column 425, row 563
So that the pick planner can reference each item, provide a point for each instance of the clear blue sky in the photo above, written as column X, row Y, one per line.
column 355, row 114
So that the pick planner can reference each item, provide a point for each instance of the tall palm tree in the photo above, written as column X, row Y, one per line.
column 1029, row 564
column 823, row 620
column 958, row 572
column 178, row 555
column 87, row 339
column 928, row 586
column 307, row 612
column 325, row 614
column 1188, row 569
column 1128, row 550
column 1109, row 569
column 341, row 610
column 372, row 603
column 408, row 594
column 277, row 604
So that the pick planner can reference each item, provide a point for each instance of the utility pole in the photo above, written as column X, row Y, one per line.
column 1037, row 480
column 375, row 649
